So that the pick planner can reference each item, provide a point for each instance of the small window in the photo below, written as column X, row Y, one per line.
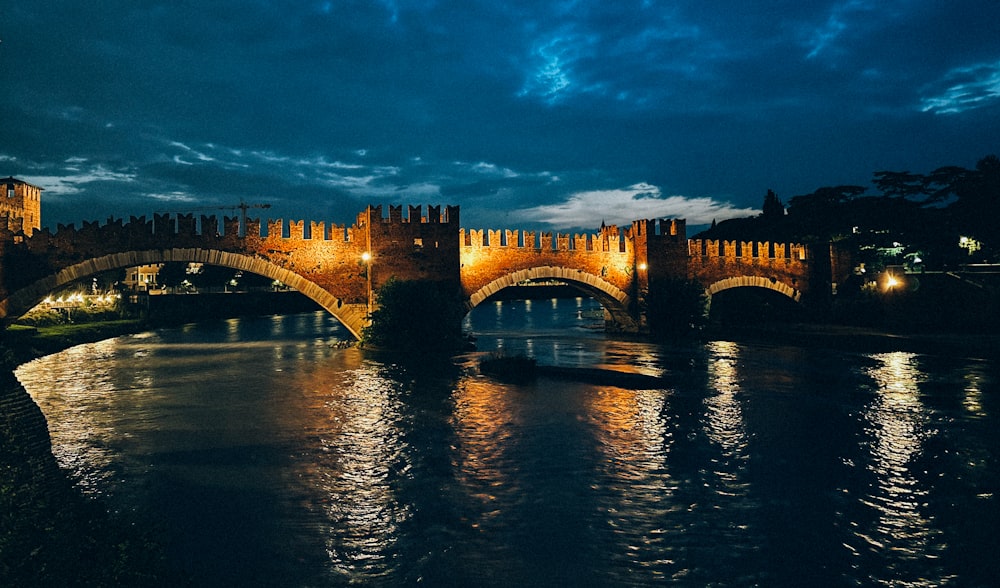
column 10, row 190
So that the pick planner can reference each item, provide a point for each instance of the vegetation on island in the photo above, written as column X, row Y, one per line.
column 509, row 368
column 415, row 317
column 675, row 307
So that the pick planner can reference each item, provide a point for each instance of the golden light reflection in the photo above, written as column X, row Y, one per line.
column 482, row 421
column 724, row 421
column 632, row 429
column 897, row 426
column 71, row 401
column 361, row 445
column 634, row 432
column 972, row 401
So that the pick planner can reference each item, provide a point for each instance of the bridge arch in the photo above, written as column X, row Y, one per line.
column 352, row 316
column 614, row 300
column 751, row 282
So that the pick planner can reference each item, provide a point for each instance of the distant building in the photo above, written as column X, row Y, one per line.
column 20, row 205
column 142, row 277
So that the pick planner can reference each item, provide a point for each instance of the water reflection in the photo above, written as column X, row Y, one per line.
column 972, row 400
column 633, row 430
column 276, row 459
column 897, row 428
column 483, row 424
column 361, row 448
column 724, row 422
column 83, row 428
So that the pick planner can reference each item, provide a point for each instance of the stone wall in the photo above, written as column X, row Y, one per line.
column 489, row 255
column 341, row 268
column 711, row 261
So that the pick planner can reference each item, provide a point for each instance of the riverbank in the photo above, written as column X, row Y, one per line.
column 862, row 340
column 23, row 344
column 50, row 534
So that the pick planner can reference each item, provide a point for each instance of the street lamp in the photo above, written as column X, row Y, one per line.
column 366, row 257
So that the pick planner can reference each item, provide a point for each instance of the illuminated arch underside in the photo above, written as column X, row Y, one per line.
column 352, row 316
column 612, row 298
column 753, row 282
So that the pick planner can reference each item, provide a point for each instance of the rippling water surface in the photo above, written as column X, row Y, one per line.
column 268, row 457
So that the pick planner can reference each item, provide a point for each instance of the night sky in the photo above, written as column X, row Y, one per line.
column 548, row 115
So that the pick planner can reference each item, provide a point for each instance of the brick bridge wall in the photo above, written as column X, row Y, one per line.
column 328, row 263
column 720, row 265
column 325, row 262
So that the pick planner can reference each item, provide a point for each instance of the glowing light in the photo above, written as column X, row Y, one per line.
column 969, row 243
column 366, row 257
column 642, row 267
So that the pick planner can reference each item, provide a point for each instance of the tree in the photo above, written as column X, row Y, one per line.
column 675, row 306
column 824, row 215
column 416, row 317
column 977, row 206
column 773, row 207
column 902, row 184
column 960, row 201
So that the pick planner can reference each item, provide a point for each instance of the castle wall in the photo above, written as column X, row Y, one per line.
column 345, row 266
column 332, row 260
column 488, row 255
column 20, row 206
column 414, row 247
column 710, row 261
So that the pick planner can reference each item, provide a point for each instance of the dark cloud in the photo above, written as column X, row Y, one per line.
column 519, row 111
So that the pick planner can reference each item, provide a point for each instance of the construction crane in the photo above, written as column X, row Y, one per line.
column 242, row 206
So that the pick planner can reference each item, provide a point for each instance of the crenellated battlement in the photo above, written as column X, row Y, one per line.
column 747, row 250
column 669, row 229
column 342, row 267
column 167, row 226
column 434, row 215
column 608, row 239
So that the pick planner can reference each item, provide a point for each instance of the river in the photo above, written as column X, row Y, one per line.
column 267, row 456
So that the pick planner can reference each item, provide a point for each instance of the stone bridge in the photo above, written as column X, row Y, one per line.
column 341, row 267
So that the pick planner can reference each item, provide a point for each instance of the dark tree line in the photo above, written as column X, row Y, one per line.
column 913, row 218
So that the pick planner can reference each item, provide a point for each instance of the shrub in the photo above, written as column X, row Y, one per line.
column 508, row 368
column 416, row 317
column 675, row 306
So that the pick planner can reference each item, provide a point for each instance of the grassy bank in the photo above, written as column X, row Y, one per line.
column 24, row 343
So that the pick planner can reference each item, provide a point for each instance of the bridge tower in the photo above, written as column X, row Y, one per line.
column 412, row 248
column 661, row 254
column 20, row 206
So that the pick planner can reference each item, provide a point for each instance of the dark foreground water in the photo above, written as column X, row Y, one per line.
column 268, row 457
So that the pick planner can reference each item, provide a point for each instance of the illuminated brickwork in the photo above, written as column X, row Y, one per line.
column 341, row 267
column 720, row 265
column 20, row 206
